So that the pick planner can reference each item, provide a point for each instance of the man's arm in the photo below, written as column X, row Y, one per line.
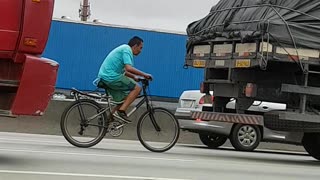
column 137, row 72
column 130, row 75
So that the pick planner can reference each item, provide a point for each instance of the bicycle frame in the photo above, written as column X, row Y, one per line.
column 111, row 104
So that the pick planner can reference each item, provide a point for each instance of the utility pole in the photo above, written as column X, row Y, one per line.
column 84, row 11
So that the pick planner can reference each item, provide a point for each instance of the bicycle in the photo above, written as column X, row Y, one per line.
column 155, row 121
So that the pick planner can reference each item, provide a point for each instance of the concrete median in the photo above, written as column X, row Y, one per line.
column 49, row 124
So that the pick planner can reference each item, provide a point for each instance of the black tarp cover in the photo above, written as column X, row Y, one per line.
column 294, row 23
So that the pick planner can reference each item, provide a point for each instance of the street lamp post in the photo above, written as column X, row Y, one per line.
column 84, row 11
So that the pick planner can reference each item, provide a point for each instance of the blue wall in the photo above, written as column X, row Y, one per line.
column 81, row 48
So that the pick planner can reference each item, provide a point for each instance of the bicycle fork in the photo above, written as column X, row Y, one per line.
column 151, row 112
column 153, row 120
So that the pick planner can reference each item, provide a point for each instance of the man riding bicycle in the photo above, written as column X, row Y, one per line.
column 118, row 76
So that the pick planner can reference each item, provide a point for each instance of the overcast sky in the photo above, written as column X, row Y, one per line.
column 156, row 14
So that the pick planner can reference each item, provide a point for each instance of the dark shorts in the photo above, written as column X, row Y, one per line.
column 118, row 89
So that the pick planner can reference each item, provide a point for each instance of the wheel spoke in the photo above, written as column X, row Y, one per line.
column 248, row 142
column 241, row 132
column 242, row 137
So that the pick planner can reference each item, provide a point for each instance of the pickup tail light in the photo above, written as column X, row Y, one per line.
column 206, row 99
column 198, row 120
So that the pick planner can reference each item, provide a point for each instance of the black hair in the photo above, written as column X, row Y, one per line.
column 135, row 41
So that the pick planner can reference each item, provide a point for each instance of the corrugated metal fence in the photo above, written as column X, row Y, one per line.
column 81, row 48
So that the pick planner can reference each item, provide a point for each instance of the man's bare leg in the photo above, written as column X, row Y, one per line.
column 130, row 98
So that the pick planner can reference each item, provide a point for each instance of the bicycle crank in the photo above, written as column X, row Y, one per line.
column 115, row 128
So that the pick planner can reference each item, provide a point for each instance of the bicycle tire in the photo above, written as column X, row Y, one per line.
column 140, row 130
column 65, row 130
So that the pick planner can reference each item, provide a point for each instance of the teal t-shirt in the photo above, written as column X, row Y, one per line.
column 112, row 67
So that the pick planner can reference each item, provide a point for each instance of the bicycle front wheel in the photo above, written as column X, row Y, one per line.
column 81, row 125
column 158, row 131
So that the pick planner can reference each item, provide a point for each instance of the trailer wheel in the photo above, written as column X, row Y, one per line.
column 245, row 137
column 311, row 143
column 212, row 140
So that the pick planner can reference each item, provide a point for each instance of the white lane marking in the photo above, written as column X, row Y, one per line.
column 24, row 141
column 63, row 141
column 86, row 175
column 99, row 155
column 282, row 151
column 28, row 140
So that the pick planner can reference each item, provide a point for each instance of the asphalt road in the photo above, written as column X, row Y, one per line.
column 35, row 157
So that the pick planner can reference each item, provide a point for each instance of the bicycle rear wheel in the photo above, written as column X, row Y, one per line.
column 162, row 139
column 87, row 131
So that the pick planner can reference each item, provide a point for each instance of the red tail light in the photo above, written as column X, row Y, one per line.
column 250, row 90
column 202, row 100
column 198, row 120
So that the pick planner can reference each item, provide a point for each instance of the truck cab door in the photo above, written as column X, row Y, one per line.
column 10, row 18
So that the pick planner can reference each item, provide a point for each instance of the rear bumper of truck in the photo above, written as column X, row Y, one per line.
column 276, row 120
column 229, row 117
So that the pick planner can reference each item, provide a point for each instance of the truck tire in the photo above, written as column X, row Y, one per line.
column 212, row 140
column 311, row 143
column 245, row 137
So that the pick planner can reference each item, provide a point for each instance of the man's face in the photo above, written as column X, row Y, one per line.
column 136, row 49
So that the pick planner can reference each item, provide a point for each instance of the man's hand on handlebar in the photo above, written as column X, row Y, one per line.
column 148, row 76
column 136, row 78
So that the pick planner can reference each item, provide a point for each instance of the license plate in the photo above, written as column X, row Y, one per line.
column 243, row 63
column 199, row 63
column 187, row 103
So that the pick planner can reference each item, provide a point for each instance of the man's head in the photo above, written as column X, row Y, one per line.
column 136, row 45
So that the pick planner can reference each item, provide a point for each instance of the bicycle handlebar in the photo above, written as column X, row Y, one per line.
column 144, row 81
column 142, row 78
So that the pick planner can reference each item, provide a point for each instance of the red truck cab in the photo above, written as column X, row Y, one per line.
column 27, row 81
